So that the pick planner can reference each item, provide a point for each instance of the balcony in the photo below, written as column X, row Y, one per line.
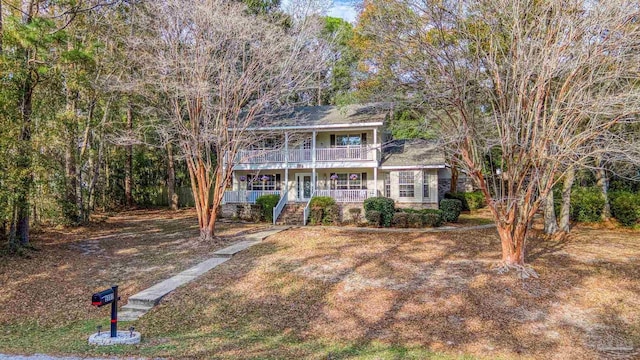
column 343, row 153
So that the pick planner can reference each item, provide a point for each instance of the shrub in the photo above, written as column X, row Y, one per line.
column 268, row 202
column 315, row 215
column 451, row 209
column 586, row 204
column 373, row 216
column 414, row 220
column 470, row 200
column 475, row 200
column 356, row 214
column 458, row 196
column 331, row 215
column 320, row 209
column 400, row 219
column 432, row 219
column 625, row 206
column 384, row 205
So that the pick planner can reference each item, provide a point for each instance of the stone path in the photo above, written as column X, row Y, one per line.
column 140, row 303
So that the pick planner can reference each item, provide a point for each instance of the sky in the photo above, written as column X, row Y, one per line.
column 344, row 9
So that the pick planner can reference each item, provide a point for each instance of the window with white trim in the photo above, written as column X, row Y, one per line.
column 263, row 182
column 426, row 179
column 348, row 140
column 406, row 184
column 348, row 181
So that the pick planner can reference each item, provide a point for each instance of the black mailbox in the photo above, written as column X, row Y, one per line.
column 109, row 296
column 103, row 298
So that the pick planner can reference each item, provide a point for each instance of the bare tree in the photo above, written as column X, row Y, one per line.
column 212, row 72
column 532, row 83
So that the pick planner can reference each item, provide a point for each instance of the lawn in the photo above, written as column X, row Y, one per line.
column 329, row 294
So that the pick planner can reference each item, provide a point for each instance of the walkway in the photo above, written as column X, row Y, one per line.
column 140, row 303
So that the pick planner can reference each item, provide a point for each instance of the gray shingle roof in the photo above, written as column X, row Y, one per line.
column 413, row 153
column 326, row 116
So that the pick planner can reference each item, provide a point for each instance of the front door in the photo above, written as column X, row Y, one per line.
column 303, row 186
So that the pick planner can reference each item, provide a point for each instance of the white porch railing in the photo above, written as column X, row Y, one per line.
column 300, row 155
column 277, row 210
column 245, row 196
column 305, row 212
column 348, row 196
column 344, row 153
column 260, row 156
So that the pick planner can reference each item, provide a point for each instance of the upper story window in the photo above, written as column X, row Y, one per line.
column 348, row 140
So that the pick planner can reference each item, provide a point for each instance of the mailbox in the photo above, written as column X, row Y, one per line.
column 103, row 298
column 109, row 296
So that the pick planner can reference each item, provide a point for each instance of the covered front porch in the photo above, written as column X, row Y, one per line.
column 346, row 185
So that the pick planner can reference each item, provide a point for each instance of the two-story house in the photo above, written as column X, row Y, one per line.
column 327, row 151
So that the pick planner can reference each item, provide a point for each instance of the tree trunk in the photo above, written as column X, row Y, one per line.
column 171, row 179
column 512, row 238
column 602, row 181
column 565, row 210
column 71, row 211
column 128, row 167
column 550, row 221
column 454, row 177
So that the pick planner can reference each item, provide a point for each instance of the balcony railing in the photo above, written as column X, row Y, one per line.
column 343, row 153
column 260, row 156
column 348, row 196
column 246, row 196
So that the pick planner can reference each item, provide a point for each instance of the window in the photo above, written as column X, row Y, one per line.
column 348, row 140
column 387, row 184
column 406, row 184
column 426, row 179
column 348, row 181
column 263, row 182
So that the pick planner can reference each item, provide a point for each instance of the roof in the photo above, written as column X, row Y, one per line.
column 331, row 117
column 412, row 154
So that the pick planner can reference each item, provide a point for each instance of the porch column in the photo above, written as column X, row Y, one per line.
column 313, row 161
column 375, row 145
column 375, row 180
column 286, row 181
column 286, row 148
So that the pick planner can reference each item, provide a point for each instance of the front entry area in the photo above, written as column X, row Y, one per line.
column 303, row 187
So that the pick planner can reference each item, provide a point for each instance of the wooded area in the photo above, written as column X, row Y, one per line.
column 107, row 105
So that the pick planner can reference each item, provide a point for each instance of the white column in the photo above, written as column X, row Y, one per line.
column 313, row 161
column 286, row 181
column 375, row 144
column 286, row 148
column 375, row 180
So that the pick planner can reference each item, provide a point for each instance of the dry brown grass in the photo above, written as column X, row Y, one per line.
column 435, row 291
column 319, row 293
column 53, row 285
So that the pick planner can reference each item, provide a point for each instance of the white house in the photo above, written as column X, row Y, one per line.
column 327, row 151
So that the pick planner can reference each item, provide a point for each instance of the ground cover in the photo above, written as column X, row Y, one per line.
column 319, row 293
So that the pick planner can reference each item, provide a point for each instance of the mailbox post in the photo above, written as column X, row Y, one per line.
column 109, row 296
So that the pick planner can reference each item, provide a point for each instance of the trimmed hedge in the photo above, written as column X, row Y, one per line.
column 451, row 209
column 356, row 214
column 625, row 206
column 470, row 200
column 268, row 202
column 385, row 206
column 432, row 219
column 324, row 210
column 414, row 220
column 586, row 204
column 428, row 217
column 373, row 216
column 400, row 219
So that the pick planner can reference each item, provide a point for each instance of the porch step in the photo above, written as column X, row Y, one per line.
column 292, row 214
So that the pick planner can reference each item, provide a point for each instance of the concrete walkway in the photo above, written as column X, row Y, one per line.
column 140, row 303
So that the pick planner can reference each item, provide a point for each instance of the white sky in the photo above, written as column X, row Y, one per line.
column 344, row 9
